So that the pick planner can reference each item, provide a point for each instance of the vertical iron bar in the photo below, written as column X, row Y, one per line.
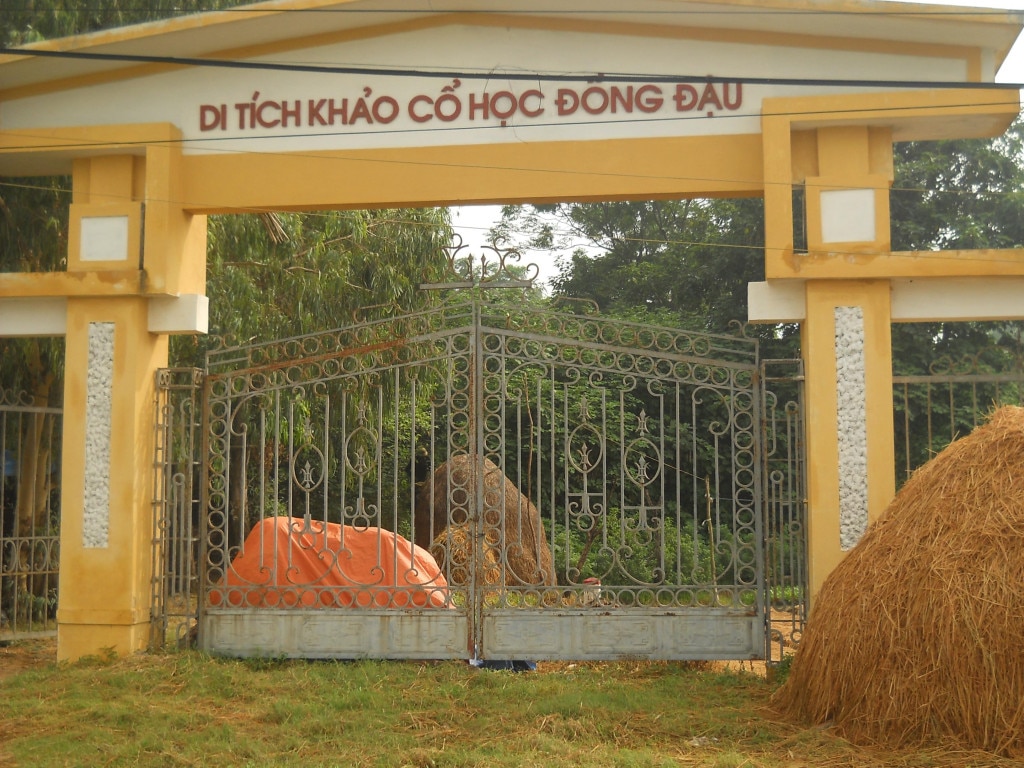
column 475, row 398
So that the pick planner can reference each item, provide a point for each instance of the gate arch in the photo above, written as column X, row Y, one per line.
column 148, row 164
column 552, row 451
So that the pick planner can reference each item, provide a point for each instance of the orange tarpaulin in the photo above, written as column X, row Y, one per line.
column 285, row 562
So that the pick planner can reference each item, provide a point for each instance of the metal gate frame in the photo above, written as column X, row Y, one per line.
column 785, row 503
column 30, row 451
column 530, row 622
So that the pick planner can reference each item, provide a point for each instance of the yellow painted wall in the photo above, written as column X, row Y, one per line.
column 104, row 592
column 819, row 354
column 104, row 599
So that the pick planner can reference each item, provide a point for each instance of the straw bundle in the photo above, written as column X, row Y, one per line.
column 511, row 522
column 452, row 548
column 917, row 635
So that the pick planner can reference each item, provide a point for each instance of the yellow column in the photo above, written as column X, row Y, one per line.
column 106, row 491
column 847, row 347
column 111, row 360
column 848, row 368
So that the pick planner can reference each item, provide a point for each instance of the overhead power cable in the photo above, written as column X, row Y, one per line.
column 209, row 142
column 938, row 256
column 491, row 74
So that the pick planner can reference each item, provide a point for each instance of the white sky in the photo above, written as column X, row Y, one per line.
column 473, row 222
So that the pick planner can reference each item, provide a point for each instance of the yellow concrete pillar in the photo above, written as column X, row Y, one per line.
column 846, row 171
column 847, row 355
column 111, row 359
column 847, row 346
column 106, row 492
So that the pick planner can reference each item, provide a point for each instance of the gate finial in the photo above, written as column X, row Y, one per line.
column 478, row 271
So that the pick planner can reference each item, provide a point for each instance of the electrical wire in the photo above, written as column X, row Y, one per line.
column 759, row 248
column 490, row 74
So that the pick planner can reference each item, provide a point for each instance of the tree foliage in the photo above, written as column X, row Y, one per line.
column 961, row 194
column 334, row 268
column 29, row 21
column 688, row 260
column 687, row 263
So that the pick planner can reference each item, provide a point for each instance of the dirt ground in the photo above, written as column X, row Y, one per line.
column 18, row 656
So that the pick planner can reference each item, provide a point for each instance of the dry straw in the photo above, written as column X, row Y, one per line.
column 918, row 635
column 453, row 550
column 511, row 522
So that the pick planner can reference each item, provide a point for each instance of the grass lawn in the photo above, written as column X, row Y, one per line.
column 187, row 709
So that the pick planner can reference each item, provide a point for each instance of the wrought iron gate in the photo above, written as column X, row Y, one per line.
column 590, row 489
column 30, row 445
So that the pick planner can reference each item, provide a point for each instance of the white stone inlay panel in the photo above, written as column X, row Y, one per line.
column 848, row 216
column 98, row 413
column 104, row 238
column 851, row 406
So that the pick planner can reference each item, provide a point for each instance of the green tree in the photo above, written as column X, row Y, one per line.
column 963, row 194
column 325, row 270
column 268, row 275
column 29, row 21
column 687, row 263
column 967, row 193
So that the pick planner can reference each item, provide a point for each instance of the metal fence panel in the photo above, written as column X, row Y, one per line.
column 30, row 449
column 176, row 505
column 936, row 406
column 590, row 488
column 785, row 503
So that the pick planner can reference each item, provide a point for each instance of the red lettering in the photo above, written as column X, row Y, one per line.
column 620, row 99
column 211, row 117
column 649, row 99
column 379, row 106
column 479, row 106
column 361, row 112
column 413, row 102
column 506, row 110
column 313, row 114
column 337, row 115
column 686, row 97
column 602, row 100
column 295, row 113
column 567, row 101
column 595, row 99
column 264, row 123
column 447, row 108
column 531, row 94
column 709, row 95
column 737, row 100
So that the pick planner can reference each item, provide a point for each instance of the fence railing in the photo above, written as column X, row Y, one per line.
column 176, row 499
column 30, row 450
column 950, row 399
column 785, row 503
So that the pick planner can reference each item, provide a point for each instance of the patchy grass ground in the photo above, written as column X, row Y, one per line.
column 186, row 709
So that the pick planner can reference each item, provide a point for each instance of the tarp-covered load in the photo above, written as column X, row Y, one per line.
column 288, row 562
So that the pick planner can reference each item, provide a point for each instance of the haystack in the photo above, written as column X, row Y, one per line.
column 511, row 522
column 918, row 635
column 452, row 549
